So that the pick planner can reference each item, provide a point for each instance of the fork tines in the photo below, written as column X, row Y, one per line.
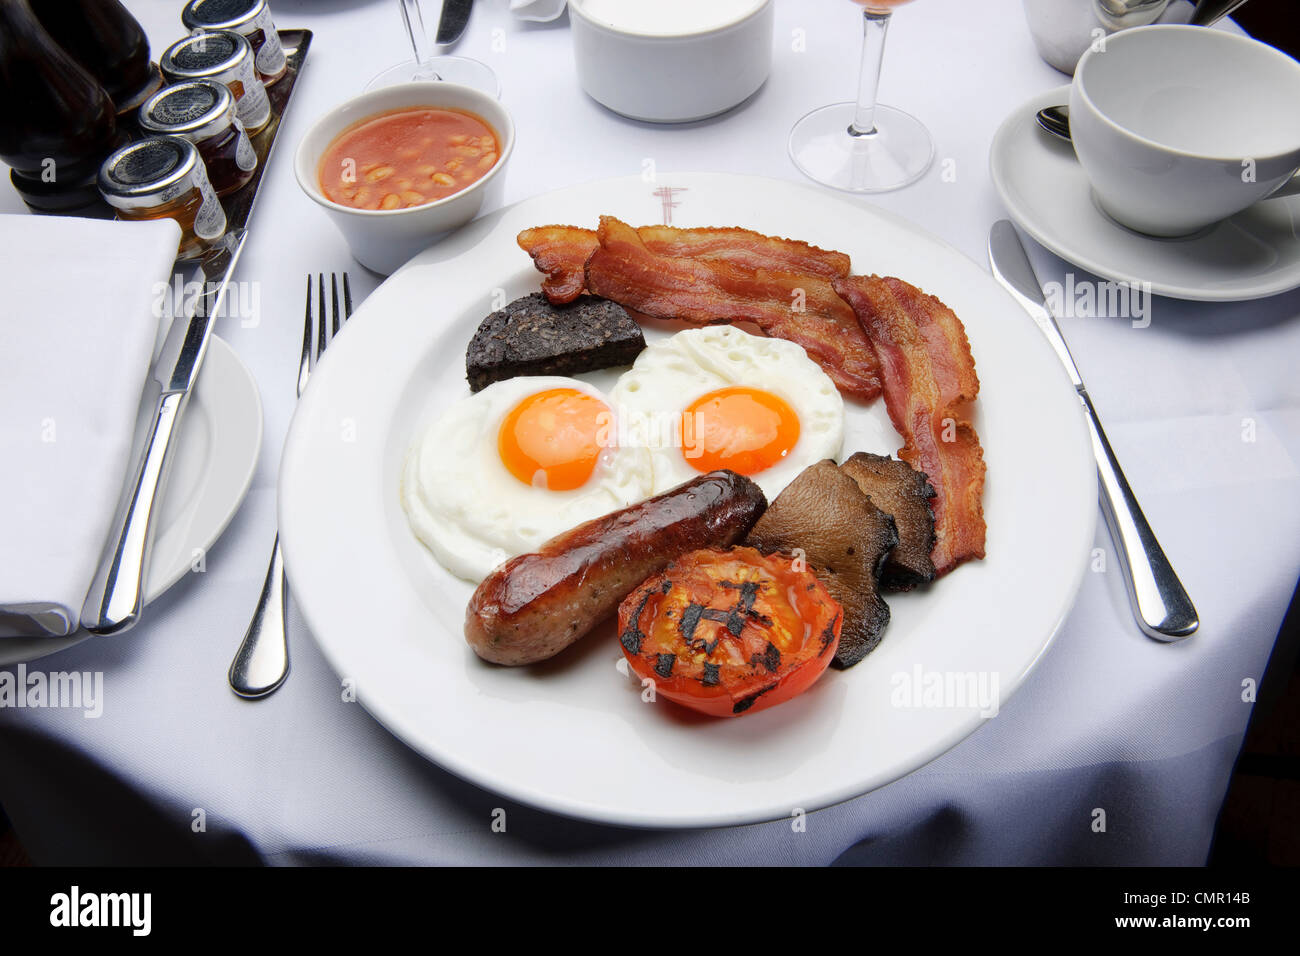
column 328, row 324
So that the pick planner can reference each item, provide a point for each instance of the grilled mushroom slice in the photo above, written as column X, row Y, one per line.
column 827, row 519
column 897, row 488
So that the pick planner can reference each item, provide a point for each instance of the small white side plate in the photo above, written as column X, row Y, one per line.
column 1254, row 254
column 216, row 455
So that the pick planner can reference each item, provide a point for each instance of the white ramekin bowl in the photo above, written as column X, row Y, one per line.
column 650, row 73
column 383, row 239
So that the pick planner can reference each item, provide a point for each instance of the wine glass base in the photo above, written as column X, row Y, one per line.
column 896, row 154
column 448, row 69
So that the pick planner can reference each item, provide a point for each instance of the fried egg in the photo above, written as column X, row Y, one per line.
column 718, row 397
column 506, row 469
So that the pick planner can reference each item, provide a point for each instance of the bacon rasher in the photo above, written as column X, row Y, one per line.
column 929, row 380
column 797, row 307
column 747, row 249
column 562, row 251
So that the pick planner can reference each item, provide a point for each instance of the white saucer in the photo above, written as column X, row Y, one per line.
column 216, row 455
column 1254, row 254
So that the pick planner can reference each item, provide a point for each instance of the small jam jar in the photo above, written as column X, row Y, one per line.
column 163, row 178
column 204, row 113
column 249, row 18
column 226, row 58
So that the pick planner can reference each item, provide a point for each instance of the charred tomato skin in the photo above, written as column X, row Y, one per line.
column 730, row 632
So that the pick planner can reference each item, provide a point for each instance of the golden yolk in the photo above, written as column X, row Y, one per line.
column 744, row 429
column 552, row 439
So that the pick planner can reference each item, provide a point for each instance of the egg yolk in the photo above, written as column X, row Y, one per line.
column 552, row 439
column 744, row 429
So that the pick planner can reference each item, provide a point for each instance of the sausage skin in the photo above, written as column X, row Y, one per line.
column 535, row 605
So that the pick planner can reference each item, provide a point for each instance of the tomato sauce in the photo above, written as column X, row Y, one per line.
column 407, row 157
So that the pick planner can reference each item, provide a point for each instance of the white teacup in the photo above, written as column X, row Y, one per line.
column 1179, row 127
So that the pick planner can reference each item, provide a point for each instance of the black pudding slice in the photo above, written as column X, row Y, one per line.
column 532, row 337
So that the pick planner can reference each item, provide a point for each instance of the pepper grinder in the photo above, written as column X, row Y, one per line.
column 110, row 44
column 57, row 124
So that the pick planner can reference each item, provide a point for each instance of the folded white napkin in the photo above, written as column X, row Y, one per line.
column 540, row 10
column 79, row 318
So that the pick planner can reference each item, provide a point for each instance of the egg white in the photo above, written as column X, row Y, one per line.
column 472, row 513
column 672, row 373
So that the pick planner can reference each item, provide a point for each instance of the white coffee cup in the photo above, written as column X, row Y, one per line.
column 1179, row 127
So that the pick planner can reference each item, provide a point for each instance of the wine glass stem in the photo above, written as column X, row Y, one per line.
column 413, row 17
column 874, row 28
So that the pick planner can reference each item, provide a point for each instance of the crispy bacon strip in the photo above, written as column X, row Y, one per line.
column 929, row 380
column 796, row 307
column 562, row 251
column 747, row 249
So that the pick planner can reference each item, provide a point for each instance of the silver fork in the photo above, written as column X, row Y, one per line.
column 262, row 662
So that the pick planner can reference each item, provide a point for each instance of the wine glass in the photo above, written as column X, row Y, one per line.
column 427, row 66
column 863, row 147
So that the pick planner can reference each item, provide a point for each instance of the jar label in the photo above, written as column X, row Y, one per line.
column 270, row 55
column 251, row 105
column 210, row 220
column 168, row 193
column 245, row 158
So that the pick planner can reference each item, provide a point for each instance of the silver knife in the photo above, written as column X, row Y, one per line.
column 117, row 593
column 451, row 24
column 1162, row 607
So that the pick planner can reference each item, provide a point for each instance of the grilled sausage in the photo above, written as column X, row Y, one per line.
column 535, row 605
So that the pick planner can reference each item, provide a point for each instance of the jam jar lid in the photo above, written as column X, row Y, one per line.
column 204, row 54
column 220, row 14
column 151, row 172
column 196, row 110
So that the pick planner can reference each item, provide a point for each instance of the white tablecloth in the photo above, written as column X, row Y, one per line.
column 177, row 768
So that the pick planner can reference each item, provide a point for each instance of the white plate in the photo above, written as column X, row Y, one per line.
column 1254, row 254
column 216, row 454
column 573, row 735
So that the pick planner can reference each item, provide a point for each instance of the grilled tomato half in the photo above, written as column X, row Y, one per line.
column 730, row 632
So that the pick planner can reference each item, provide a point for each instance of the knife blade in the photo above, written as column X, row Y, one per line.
column 452, row 21
column 1161, row 605
column 116, row 594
